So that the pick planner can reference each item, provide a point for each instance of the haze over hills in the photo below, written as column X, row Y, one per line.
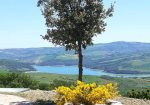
column 115, row 57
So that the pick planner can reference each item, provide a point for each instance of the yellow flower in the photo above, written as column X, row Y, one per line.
column 79, row 82
column 88, row 94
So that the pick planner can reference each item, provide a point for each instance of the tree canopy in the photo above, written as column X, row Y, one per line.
column 71, row 21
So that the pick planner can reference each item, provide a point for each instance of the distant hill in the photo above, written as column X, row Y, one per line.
column 12, row 65
column 115, row 57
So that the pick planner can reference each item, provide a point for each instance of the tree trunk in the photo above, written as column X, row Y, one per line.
column 80, row 63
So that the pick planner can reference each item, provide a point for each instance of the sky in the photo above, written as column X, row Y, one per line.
column 21, row 23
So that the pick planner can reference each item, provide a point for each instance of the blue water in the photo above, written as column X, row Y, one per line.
column 86, row 71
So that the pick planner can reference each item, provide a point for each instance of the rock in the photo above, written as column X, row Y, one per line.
column 13, row 100
column 112, row 102
column 14, row 90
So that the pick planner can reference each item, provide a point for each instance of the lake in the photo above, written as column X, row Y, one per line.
column 86, row 71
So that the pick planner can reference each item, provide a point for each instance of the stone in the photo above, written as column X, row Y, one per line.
column 14, row 90
column 112, row 102
column 109, row 102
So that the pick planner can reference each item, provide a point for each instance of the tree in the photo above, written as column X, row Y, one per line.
column 73, row 23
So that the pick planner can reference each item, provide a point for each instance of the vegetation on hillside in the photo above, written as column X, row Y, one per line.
column 124, row 84
column 13, row 65
column 45, row 81
column 22, row 80
column 116, row 57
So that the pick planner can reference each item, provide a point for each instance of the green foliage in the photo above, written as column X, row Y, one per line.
column 44, row 86
column 124, row 84
column 17, row 80
column 141, row 94
column 73, row 23
column 13, row 65
column 1, row 86
column 56, row 83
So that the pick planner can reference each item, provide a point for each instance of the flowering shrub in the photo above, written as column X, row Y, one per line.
column 88, row 94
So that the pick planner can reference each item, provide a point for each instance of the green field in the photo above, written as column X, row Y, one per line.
column 124, row 84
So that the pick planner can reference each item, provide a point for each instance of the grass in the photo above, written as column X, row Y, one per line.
column 3, row 71
column 125, row 84
column 48, row 78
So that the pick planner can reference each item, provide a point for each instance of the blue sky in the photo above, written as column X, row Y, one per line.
column 21, row 23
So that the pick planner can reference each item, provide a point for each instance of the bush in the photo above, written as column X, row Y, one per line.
column 56, row 83
column 21, row 80
column 140, row 94
column 17, row 80
column 1, row 86
column 88, row 94
column 44, row 86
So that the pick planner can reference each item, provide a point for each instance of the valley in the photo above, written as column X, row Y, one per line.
column 115, row 57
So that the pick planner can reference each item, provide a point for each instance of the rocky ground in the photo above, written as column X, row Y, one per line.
column 39, row 97
column 132, row 101
column 34, row 95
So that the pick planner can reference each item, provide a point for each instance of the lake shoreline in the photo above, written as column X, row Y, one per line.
column 112, row 71
column 62, row 69
column 104, row 70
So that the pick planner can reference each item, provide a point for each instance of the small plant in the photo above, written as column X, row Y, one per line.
column 44, row 86
column 87, row 94
column 17, row 80
column 141, row 94
column 56, row 83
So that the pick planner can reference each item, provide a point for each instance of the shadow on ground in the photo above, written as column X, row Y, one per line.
column 20, row 103
column 41, row 102
column 38, row 102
